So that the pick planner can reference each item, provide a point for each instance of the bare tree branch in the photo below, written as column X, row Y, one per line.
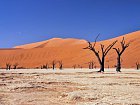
column 119, row 52
column 104, row 51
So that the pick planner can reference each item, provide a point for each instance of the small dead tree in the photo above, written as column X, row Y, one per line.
column 74, row 66
column 53, row 64
column 92, row 64
column 89, row 65
column 104, row 52
column 15, row 66
column 60, row 65
column 79, row 66
column 108, row 64
column 8, row 66
column 108, row 67
column 45, row 66
column 119, row 52
column 137, row 65
column 41, row 67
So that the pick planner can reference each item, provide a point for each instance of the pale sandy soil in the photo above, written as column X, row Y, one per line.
column 69, row 87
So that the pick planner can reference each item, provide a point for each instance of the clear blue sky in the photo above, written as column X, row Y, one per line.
column 26, row 21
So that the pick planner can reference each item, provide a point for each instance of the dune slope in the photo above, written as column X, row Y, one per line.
column 70, row 51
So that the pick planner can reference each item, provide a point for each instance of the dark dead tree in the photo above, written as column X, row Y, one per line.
column 137, row 65
column 36, row 67
column 60, row 65
column 80, row 66
column 53, row 64
column 108, row 67
column 8, row 66
column 119, row 52
column 41, row 67
column 45, row 66
column 74, row 66
column 15, row 66
column 108, row 64
column 91, row 65
column 104, row 52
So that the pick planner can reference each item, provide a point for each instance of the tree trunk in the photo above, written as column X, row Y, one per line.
column 92, row 65
column 53, row 67
column 118, row 68
column 89, row 66
column 137, row 66
column 102, row 65
column 61, row 67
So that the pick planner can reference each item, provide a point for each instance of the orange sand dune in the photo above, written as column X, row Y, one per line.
column 54, row 42
column 70, row 51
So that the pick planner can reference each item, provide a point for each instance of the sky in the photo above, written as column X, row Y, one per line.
column 27, row 21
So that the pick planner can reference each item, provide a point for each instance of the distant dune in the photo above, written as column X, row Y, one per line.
column 70, row 51
column 54, row 42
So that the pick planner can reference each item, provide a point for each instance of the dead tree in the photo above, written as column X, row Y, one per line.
column 108, row 67
column 119, row 52
column 45, row 66
column 53, row 64
column 137, row 65
column 60, row 65
column 91, row 65
column 8, row 66
column 104, row 52
column 74, row 66
column 79, row 66
column 41, row 67
column 15, row 65
column 108, row 64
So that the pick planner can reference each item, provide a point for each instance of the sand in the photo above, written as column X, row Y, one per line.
column 69, row 87
column 71, row 52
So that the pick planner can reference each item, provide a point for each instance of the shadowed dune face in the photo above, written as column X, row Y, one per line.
column 70, row 51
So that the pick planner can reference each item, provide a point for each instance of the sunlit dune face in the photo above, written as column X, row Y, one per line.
column 70, row 51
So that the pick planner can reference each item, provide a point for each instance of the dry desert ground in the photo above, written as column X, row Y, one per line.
column 69, row 87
